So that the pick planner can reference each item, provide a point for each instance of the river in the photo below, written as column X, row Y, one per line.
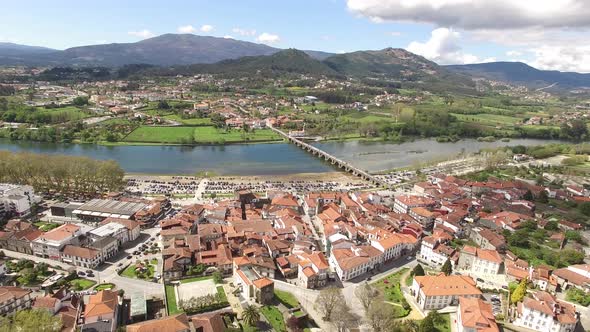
column 263, row 159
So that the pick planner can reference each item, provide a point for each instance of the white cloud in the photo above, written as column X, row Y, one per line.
column 394, row 33
column 514, row 53
column 228, row 37
column 443, row 48
column 244, row 32
column 186, row 29
column 206, row 28
column 478, row 14
column 268, row 38
column 562, row 58
column 142, row 33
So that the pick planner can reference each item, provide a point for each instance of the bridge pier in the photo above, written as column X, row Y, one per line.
column 333, row 160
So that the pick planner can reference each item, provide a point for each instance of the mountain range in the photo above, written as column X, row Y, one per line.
column 213, row 54
column 523, row 74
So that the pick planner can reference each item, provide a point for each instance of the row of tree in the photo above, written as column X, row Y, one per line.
column 67, row 175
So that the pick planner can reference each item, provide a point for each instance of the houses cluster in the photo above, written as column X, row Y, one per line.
column 86, row 234
column 76, row 244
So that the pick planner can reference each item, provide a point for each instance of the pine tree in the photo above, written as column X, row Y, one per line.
column 447, row 268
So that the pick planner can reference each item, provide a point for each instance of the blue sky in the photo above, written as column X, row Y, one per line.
column 327, row 25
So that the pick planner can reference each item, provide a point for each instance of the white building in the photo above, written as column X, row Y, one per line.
column 51, row 243
column 17, row 199
column 480, row 261
column 433, row 252
column 543, row 312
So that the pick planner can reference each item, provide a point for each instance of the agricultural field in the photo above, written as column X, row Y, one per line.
column 198, row 135
column 189, row 122
column 488, row 119
column 149, row 134
column 206, row 135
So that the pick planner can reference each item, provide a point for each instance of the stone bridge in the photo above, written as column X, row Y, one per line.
column 341, row 164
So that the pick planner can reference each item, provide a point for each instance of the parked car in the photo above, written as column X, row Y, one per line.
column 81, row 273
column 129, row 257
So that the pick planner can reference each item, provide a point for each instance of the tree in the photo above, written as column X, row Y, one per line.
column 576, row 130
column 585, row 208
column 380, row 316
column 217, row 277
column 80, row 101
column 519, row 292
column 427, row 325
column 342, row 317
column 251, row 315
column 163, row 105
column 366, row 294
column 32, row 320
column 327, row 300
column 528, row 196
column 418, row 271
column 447, row 268
column 543, row 198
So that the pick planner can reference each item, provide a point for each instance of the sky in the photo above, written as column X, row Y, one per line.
column 547, row 34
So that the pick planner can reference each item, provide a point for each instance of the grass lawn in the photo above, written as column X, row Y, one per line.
column 186, row 281
column 298, row 313
column 63, row 114
column 199, row 135
column 129, row 272
column 218, row 136
column 286, row 299
column 367, row 117
column 171, row 300
column 274, row 316
column 104, row 286
column 221, row 293
column 189, row 122
column 46, row 226
column 390, row 288
column 161, row 134
column 82, row 284
column 490, row 119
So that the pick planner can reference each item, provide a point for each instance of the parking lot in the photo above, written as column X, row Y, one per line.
column 497, row 301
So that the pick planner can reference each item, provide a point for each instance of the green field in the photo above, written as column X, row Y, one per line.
column 189, row 122
column 198, row 135
column 274, row 316
column 82, row 284
column 488, row 119
column 214, row 135
column 287, row 299
column 389, row 286
column 104, row 286
column 161, row 134
column 171, row 300
column 62, row 114
column 46, row 226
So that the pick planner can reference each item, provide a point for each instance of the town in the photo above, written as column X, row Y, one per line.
column 452, row 251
